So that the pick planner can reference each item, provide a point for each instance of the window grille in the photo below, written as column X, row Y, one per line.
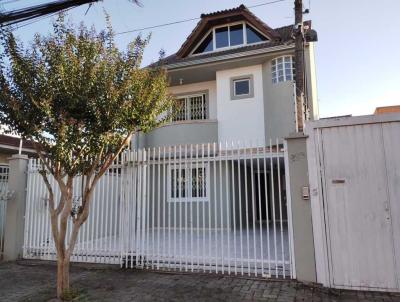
column 188, row 186
column 191, row 108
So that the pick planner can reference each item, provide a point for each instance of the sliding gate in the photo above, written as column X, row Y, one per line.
column 209, row 208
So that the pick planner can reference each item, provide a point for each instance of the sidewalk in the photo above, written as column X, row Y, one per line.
column 34, row 281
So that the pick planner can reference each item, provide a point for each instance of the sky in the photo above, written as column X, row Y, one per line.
column 357, row 55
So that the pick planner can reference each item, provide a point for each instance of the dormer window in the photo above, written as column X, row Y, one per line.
column 206, row 45
column 253, row 36
column 229, row 36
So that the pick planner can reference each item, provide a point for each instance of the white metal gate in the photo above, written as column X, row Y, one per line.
column 355, row 176
column 209, row 207
column 4, row 171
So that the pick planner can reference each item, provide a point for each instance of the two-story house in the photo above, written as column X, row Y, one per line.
column 233, row 79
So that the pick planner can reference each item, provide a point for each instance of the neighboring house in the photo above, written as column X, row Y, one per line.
column 387, row 109
column 234, row 79
column 10, row 145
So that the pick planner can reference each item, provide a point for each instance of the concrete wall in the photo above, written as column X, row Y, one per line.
column 241, row 119
column 185, row 132
column 14, row 228
column 279, row 109
column 303, row 242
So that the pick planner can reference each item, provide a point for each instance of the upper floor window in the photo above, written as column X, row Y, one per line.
column 229, row 36
column 283, row 69
column 242, row 87
column 191, row 107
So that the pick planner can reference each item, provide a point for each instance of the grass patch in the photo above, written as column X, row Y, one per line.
column 75, row 295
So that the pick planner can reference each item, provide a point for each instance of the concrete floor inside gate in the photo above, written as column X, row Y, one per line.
column 265, row 249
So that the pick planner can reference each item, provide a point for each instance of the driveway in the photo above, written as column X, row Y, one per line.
column 34, row 281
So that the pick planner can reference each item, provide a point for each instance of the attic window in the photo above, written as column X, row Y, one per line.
column 206, row 45
column 253, row 36
column 230, row 35
column 222, row 37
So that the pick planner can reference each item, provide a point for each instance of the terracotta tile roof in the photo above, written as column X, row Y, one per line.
column 224, row 11
column 387, row 109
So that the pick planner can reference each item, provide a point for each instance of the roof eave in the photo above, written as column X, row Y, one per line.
column 201, row 61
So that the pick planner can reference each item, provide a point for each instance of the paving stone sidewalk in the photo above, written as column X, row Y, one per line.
column 34, row 281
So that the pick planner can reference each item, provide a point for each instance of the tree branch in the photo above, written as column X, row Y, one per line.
column 41, row 157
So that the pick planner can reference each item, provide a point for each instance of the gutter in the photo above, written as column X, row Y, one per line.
column 228, row 57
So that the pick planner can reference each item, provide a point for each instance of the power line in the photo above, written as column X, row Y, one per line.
column 187, row 20
column 143, row 28
column 33, row 12
column 9, row 1
column 40, row 19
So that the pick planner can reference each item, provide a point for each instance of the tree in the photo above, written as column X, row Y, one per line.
column 80, row 100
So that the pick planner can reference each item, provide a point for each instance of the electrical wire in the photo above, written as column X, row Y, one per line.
column 9, row 1
column 136, row 29
column 39, row 19
column 188, row 20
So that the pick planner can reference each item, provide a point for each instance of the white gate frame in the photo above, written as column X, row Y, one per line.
column 317, row 184
column 289, row 211
column 4, row 196
column 118, row 230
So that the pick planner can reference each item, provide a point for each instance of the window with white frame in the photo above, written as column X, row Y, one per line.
column 189, row 183
column 230, row 35
column 191, row 107
column 283, row 69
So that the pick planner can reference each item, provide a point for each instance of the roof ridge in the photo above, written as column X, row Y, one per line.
column 224, row 11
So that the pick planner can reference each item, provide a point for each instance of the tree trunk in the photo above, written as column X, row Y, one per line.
column 63, row 263
column 63, row 254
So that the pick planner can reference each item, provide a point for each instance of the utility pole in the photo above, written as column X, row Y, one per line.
column 299, row 64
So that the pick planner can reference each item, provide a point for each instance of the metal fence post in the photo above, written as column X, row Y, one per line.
column 15, row 215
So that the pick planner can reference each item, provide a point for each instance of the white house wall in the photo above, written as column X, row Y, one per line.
column 312, row 81
column 241, row 119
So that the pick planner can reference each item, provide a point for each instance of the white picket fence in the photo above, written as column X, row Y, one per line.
column 207, row 207
column 4, row 171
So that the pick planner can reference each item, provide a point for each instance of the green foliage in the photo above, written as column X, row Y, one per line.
column 77, row 96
